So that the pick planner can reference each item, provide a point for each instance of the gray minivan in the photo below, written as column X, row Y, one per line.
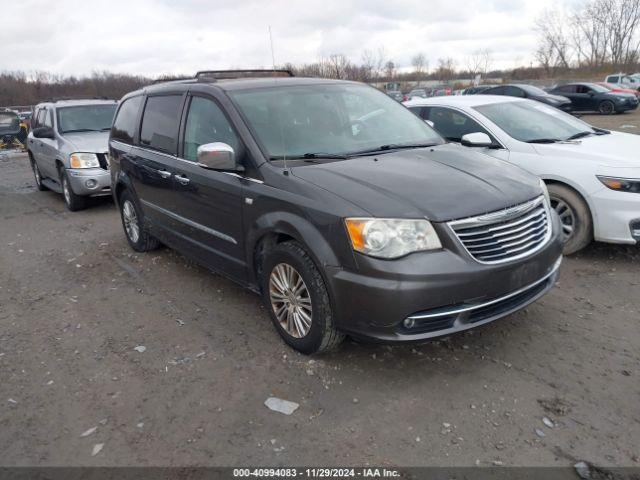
column 345, row 211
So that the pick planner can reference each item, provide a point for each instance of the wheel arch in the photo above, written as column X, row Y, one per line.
column 578, row 190
column 277, row 227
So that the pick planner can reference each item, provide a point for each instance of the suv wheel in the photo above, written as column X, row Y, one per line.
column 71, row 200
column 296, row 297
column 36, row 174
column 606, row 108
column 575, row 218
column 138, row 238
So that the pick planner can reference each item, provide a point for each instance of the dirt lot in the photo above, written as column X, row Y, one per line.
column 75, row 301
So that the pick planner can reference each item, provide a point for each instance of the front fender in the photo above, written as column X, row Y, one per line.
column 313, row 239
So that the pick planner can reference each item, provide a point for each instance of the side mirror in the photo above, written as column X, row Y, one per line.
column 217, row 156
column 476, row 139
column 44, row 132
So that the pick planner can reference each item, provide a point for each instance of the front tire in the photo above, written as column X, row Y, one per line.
column 72, row 201
column 606, row 107
column 132, row 222
column 296, row 297
column 575, row 217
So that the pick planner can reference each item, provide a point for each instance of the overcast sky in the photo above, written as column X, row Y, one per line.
column 153, row 37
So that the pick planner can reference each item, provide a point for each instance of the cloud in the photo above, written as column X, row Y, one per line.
column 153, row 37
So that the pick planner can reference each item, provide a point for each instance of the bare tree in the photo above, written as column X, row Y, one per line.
column 390, row 69
column 554, row 38
column 446, row 69
column 420, row 64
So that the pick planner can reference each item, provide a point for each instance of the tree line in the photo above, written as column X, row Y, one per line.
column 595, row 35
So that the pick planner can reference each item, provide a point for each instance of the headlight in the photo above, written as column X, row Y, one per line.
column 83, row 160
column 631, row 185
column 389, row 238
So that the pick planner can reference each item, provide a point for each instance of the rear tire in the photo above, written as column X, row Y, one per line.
column 133, row 224
column 72, row 201
column 36, row 174
column 575, row 217
column 606, row 107
column 291, row 280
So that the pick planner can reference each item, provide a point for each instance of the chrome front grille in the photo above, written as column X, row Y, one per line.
column 505, row 235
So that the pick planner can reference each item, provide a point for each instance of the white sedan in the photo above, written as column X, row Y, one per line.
column 593, row 175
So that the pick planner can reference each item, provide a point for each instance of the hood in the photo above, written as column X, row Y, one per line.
column 616, row 149
column 555, row 98
column 92, row 142
column 440, row 183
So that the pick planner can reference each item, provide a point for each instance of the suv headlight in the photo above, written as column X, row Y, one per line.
column 84, row 160
column 631, row 185
column 391, row 238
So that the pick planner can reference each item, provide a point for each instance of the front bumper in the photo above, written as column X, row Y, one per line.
column 443, row 292
column 90, row 181
column 616, row 216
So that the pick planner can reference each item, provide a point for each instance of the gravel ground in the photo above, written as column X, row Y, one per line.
column 75, row 301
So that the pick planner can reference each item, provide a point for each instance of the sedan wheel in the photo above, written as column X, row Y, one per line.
column 606, row 107
column 567, row 217
column 290, row 300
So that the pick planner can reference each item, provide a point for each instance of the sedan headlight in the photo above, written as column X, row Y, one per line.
column 631, row 185
column 391, row 238
column 84, row 160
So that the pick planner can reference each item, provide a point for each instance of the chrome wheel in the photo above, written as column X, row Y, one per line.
column 290, row 300
column 567, row 218
column 36, row 173
column 65, row 190
column 130, row 220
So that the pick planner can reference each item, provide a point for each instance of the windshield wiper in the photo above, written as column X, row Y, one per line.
column 544, row 140
column 580, row 135
column 310, row 156
column 392, row 146
column 77, row 130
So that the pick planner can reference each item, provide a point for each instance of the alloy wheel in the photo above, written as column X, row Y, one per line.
column 66, row 191
column 567, row 217
column 290, row 300
column 130, row 220
column 36, row 173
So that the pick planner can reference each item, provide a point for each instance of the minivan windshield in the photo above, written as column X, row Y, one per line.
column 330, row 120
column 534, row 122
column 86, row 118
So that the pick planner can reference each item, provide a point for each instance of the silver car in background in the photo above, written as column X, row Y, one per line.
column 68, row 146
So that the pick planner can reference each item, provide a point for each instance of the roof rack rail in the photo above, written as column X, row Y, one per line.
column 64, row 99
column 209, row 75
column 169, row 79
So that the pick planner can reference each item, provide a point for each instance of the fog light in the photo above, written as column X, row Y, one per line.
column 409, row 323
column 91, row 183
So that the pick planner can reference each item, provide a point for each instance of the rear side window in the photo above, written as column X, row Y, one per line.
column 124, row 126
column 160, row 122
column 495, row 91
column 513, row 92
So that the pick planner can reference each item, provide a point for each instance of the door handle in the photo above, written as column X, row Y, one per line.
column 183, row 180
column 164, row 173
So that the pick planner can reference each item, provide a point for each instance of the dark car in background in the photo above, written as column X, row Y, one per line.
column 531, row 92
column 477, row 89
column 344, row 210
column 591, row 97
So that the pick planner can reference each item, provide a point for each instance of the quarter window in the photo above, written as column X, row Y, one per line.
column 207, row 124
column 124, row 126
column 160, row 121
